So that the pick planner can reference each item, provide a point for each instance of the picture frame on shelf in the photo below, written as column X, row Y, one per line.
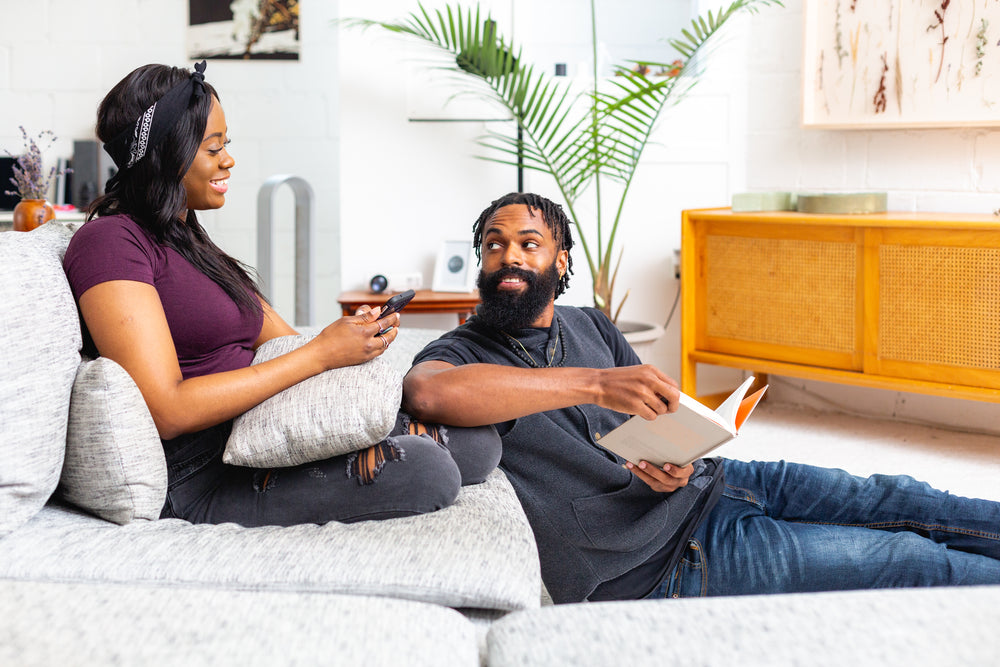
column 454, row 270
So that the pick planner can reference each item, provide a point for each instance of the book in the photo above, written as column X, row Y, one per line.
column 685, row 435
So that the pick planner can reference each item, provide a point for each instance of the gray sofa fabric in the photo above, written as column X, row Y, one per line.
column 336, row 412
column 937, row 626
column 478, row 553
column 76, row 589
column 83, row 625
column 40, row 342
column 114, row 465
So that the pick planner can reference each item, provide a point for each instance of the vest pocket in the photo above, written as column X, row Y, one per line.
column 627, row 519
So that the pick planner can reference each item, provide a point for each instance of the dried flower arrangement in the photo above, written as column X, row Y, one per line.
column 30, row 178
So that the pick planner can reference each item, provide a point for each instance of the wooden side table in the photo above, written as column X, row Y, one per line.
column 462, row 304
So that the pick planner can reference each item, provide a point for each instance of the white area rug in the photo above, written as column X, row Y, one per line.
column 966, row 464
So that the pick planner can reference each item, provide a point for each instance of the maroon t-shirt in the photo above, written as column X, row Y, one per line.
column 210, row 332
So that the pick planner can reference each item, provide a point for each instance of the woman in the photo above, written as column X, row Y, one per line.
column 158, row 297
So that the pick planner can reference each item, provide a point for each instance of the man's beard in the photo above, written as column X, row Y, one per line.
column 509, row 311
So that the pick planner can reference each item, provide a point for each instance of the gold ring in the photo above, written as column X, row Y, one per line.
column 385, row 343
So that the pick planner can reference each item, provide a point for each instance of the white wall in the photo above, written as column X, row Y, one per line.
column 949, row 170
column 405, row 186
column 422, row 183
column 388, row 191
column 58, row 58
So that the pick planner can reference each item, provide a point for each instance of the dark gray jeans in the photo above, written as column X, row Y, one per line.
column 403, row 475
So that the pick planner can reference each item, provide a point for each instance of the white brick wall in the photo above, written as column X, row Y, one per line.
column 923, row 170
column 58, row 58
column 389, row 191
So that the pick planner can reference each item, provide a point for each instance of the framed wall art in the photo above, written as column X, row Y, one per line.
column 243, row 29
column 901, row 63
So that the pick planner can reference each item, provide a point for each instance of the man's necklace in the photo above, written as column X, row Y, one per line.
column 522, row 352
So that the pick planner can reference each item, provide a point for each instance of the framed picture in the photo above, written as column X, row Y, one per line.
column 907, row 63
column 243, row 29
column 455, row 268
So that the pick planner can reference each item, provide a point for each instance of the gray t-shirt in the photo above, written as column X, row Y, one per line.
column 602, row 533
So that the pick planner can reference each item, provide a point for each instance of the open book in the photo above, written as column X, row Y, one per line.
column 683, row 436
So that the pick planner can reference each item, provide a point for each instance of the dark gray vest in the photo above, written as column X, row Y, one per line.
column 593, row 520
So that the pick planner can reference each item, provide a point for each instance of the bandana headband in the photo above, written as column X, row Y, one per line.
column 132, row 144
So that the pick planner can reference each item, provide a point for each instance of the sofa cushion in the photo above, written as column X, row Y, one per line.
column 40, row 344
column 479, row 553
column 333, row 413
column 886, row 627
column 77, row 624
column 114, row 464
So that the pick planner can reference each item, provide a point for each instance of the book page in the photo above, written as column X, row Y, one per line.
column 729, row 410
column 676, row 438
column 747, row 405
column 702, row 410
column 683, row 436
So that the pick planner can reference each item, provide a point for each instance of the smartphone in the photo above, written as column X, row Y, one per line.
column 395, row 304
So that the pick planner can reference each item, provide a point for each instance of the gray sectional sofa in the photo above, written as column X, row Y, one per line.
column 477, row 556
column 457, row 587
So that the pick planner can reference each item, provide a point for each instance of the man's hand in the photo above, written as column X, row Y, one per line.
column 638, row 390
column 666, row 479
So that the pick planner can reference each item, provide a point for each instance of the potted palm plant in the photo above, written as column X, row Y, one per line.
column 583, row 139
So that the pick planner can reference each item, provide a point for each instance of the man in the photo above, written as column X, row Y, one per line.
column 554, row 379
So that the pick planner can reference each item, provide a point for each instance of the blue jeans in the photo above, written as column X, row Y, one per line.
column 788, row 528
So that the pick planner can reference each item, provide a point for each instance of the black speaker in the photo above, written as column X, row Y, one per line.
column 92, row 167
column 7, row 202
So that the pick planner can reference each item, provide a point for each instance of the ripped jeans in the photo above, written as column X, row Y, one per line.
column 789, row 528
column 403, row 475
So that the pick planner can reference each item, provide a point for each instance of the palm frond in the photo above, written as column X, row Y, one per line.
column 577, row 138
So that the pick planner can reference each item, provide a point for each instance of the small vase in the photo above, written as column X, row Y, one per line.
column 31, row 213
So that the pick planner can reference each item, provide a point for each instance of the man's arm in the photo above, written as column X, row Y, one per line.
column 478, row 394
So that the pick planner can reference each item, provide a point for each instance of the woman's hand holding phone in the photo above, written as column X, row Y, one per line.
column 357, row 338
column 394, row 305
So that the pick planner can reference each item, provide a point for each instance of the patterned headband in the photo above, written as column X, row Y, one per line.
column 132, row 144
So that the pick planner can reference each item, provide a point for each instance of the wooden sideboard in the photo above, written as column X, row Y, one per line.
column 902, row 301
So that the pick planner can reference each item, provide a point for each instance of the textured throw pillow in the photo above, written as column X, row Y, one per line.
column 39, row 352
column 336, row 412
column 114, row 464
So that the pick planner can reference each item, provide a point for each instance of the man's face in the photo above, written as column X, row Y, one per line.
column 522, row 265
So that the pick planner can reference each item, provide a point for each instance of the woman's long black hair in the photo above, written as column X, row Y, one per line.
column 152, row 191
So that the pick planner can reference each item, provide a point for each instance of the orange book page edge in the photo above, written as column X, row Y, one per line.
column 747, row 405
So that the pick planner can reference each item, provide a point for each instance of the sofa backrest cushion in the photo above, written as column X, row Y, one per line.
column 40, row 343
column 114, row 464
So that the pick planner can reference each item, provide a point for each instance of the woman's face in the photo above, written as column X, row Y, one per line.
column 207, row 179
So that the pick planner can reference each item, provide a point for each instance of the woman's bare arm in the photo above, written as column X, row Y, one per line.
column 128, row 325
